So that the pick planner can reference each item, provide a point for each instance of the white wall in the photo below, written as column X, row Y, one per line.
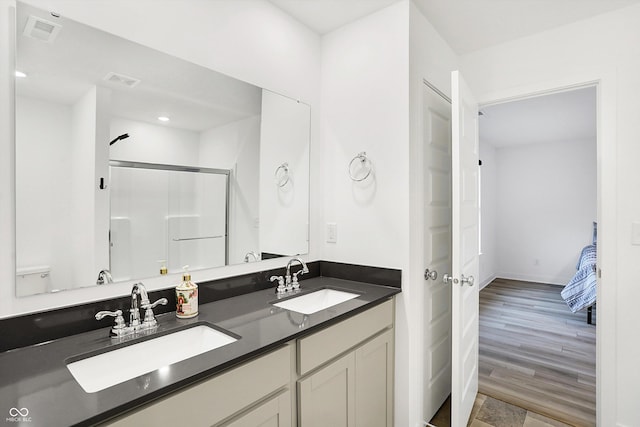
column 279, row 54
column 367, row 101
column 365, row 107
column 488, row 213
column 223, row 146
column 283, row 201
column 44, row 132
column 236, row 146
column 83, row 189
column 602, row 48
column 150, row 143
column 546, row 205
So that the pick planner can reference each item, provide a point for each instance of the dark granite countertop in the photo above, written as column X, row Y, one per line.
column 36, row 377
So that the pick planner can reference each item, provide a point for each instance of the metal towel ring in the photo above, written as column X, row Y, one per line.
column 282, row 178
column 364, row 163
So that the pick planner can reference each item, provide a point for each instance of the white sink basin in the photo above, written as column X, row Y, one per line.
column 114, row 367
column 316, row 301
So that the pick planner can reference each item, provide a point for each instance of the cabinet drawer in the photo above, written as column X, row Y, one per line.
column 215, row 399
column 325, row 345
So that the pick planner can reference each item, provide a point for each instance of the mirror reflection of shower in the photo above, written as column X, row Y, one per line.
column 167, row 212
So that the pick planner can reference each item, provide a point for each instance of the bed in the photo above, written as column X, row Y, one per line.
column 580, row 292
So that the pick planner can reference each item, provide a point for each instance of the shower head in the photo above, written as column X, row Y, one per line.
column 118, row 138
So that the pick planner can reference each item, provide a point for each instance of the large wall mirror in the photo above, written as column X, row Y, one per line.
column 134, row 163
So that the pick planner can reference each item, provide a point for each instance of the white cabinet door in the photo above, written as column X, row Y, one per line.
column 374, row 382
column 326, row 398
column 275, row 412
column 465, row 296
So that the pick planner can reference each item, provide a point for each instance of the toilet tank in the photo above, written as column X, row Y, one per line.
column 33, row 280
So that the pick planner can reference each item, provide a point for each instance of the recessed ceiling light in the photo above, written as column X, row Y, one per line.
column 20, row 74
column 163, row 118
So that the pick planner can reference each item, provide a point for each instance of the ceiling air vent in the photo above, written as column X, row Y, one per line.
column 121, row 79
column 41, row 29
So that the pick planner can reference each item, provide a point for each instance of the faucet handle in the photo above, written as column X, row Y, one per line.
column 119, row 328
column 102, row 314
column 281, row 287
column 149, row 318
column 294, row 282
column 161, row 301
column 300, row 272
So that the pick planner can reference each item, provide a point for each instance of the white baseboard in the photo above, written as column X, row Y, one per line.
column 484, row 283
column 531, row 278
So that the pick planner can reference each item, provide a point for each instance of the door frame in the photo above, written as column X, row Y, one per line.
column 606, row 113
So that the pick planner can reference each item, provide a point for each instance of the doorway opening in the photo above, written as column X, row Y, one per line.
column 565, row 157
column 539, row 213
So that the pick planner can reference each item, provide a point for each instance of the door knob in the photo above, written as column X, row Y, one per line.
column 449, row 279
column 429, row 274
column 467, row 280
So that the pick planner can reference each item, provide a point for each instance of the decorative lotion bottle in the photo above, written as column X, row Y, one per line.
column 186, row 296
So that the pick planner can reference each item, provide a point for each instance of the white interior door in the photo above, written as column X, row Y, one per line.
column 465, row 266
column 436, row 134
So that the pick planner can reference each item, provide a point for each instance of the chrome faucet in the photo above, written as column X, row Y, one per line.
column 291, row 281
column 104, row 276
column 134, row 311
column 251, row 254
column 120, row 328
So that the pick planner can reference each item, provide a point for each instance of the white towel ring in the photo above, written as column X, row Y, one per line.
column 282, row 174
column 365, row 163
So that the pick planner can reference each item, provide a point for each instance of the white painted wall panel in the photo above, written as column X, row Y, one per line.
column 365, row 108
column 44, row 131
column 283, row 204
column 365, row 102
column 488, row 213
column 83, row 187
column 546, row 204
column 150, row 143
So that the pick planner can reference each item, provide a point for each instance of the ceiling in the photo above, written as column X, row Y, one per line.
column 324, row 16
column 467, row 25
column 194, row 97
column 562, row 116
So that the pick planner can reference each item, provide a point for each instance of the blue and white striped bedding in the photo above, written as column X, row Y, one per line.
column 580, row 292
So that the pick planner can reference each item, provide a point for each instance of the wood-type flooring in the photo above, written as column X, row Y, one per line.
column 535, row 354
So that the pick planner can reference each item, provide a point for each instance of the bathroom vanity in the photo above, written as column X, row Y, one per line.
column 331, row 367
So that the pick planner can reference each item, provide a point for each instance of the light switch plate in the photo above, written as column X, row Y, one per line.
column 332, row 232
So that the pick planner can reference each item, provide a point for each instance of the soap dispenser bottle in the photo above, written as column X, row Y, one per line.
column 186, row 296
column 163, row 267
